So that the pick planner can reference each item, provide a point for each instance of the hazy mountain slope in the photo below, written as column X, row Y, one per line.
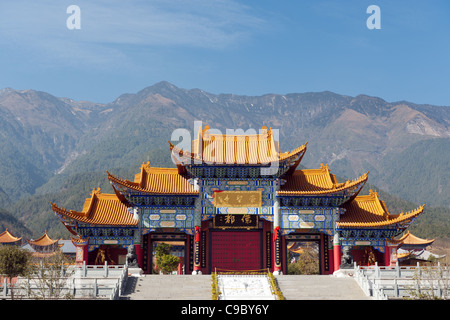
column 16, row 227
column 38, row 134
column 352, row 134
column 424, row 163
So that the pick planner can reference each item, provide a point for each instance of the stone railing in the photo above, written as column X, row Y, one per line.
column 76, row 282
column 415, row 282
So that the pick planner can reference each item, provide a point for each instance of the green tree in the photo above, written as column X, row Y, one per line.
column 169, row 263
column 306, row 264
column 162, row 249
column 165, row 261
column 14, row 262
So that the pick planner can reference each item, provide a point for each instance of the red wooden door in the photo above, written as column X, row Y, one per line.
column 236, row 250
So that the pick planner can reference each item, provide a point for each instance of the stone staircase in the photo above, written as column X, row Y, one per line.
column 320, row 287
column 168, row 287
column 293, row 287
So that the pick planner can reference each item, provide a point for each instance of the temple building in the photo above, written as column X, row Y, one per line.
column 235, row 202
column 6, row 238
column 410, row 249
column 44, row 246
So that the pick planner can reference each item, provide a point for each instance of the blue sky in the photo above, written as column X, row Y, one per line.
column 250, row 47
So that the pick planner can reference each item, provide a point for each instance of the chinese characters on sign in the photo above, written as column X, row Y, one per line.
column 236, row 221
column 237, row 199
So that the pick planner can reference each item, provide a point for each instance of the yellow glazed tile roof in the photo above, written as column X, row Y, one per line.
column 43, row 241
column 157, row 181
column 100, row 209
column 236, row 149
column 410, row 239
column 7, row 237
column 245, row 149
column 370, row 211
column 316, row 181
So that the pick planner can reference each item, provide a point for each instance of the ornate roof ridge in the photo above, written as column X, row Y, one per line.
column 8, row 237
column 104, row 209
column 195, row 157
column 43, row 241
column 189, row 189
column 78, row 240
column 146, row 168
column 409, row 239
column 289, row 154
column 370, row 211
column 335, row 187
column 235, row 149
column 94, row 195
column 264, row 131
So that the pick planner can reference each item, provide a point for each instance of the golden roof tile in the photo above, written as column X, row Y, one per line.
column 7, row 237
column 43, row 241
column 157, row 181
column 240, row 149
column 316, row 181
column 100, row 209
column 370, row 211
column 410, row 239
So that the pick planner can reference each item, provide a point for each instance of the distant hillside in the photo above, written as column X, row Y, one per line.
column 39, row 133
column 16, row 227
column 48, row 141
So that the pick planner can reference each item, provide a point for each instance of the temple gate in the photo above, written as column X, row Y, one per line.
column 237, row 203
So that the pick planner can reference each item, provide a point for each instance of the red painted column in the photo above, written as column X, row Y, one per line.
column 277, row 250
column 180, row 269
column 336, row 252
column 197, row 265
column 86, row 253
column 387, row 256
column 330, row 260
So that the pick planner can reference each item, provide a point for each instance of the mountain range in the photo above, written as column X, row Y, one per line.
column 58, row 149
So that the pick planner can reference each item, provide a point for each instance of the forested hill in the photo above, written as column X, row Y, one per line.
column 58, row 149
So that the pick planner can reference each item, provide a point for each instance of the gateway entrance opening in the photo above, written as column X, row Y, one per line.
column 303, row 256
column 168, row 253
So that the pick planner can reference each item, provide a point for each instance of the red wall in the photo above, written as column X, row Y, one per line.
column 112, row 250
column 361, row 256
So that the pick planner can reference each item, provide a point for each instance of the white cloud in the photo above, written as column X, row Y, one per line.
column 209, row 24
column 106, row 26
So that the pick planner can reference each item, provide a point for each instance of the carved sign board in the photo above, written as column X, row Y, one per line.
column 237, row 199
column 235, row 221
